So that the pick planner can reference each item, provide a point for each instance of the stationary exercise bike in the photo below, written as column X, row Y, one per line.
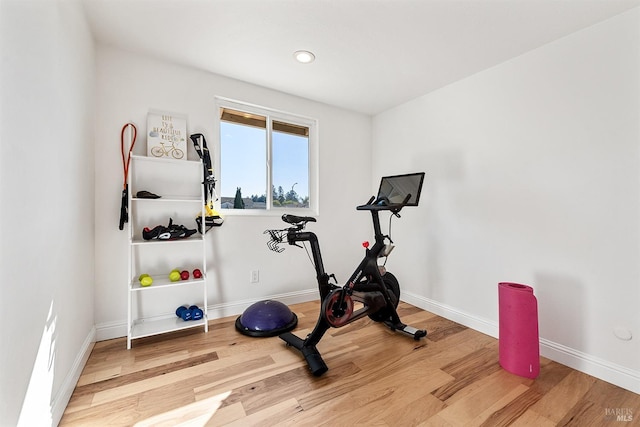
column 371, row 290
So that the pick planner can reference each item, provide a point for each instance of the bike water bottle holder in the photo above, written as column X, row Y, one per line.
column 275, row 238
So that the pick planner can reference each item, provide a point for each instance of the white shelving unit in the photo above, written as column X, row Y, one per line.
column 151, row 309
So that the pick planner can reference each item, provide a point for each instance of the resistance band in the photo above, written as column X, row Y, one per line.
column 124, row 206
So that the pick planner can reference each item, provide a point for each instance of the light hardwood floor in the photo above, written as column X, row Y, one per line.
column 375, row 378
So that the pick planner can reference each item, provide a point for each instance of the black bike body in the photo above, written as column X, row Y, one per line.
column 370, row 291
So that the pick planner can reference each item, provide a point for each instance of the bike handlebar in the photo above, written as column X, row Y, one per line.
column 383, row 204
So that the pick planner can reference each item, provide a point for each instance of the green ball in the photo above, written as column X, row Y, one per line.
column 146, row 281
column 142, row 276
column 174, row 276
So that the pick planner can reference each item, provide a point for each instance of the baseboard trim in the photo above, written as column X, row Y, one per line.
column 594, row 366
column 476, row 323
column 110, row 330
column 583, row 362
column 61, row 400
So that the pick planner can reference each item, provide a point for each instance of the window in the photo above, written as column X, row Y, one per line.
column 266, row 160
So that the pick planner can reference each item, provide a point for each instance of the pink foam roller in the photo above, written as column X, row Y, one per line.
column 519, row 344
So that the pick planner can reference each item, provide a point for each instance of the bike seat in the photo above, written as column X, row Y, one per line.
column 295, row 220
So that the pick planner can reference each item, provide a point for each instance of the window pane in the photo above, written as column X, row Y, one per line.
column 243, row 150
column 290, row 158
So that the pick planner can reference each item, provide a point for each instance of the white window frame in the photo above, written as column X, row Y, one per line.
column 270, row 114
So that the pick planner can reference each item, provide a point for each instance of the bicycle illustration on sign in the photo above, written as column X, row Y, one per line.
column 162, row 150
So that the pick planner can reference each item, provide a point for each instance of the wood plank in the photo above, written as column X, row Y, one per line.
column 197, row 414
column 558, row 401
column 469, row 406
column 271, row 415
column 134, row 377
column 192, row 373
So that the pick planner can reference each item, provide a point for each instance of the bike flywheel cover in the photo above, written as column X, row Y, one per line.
column 337, row 316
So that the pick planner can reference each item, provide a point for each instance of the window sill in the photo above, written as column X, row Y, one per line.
column 268, row 213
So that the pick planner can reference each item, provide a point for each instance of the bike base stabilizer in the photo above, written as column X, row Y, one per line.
column 406, row 329
column 310, row 353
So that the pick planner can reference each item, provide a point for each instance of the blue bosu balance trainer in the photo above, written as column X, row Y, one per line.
column 266, row 319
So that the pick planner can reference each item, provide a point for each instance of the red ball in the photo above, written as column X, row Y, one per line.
column 197, row 273
column 184, row 275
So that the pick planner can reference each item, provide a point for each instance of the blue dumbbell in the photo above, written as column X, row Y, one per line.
column 196, row 312
column 183, row 312
column 189, row 313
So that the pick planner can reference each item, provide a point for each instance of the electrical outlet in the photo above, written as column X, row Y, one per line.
column 255, row 276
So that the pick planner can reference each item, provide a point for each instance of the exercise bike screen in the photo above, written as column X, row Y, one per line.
column 394, row 189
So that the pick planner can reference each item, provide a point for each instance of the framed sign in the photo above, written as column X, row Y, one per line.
column 167, row 136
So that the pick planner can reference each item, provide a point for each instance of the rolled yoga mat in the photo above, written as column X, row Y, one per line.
column 519, row 344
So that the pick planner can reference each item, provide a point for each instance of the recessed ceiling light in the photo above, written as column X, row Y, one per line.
column 304, row 56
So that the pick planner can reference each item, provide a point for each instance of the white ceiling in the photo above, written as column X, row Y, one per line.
column 371, row 55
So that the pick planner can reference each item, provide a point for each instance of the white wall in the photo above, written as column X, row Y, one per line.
column 532, row 176
column 46, row 215
column 128, row 86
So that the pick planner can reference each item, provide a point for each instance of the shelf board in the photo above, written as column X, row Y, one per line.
column 140, row 241
column 147, row 328
column 169, row 198
column 164, row 283
column 165, row 160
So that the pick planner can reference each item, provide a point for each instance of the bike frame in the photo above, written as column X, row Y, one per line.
column 367, row 269
column 366, row 286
